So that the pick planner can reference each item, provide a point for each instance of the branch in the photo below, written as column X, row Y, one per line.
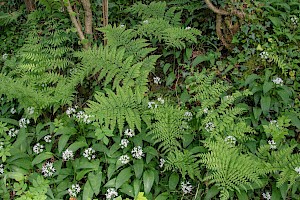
column 219, row 31
column 75, row 22
column 216, row 10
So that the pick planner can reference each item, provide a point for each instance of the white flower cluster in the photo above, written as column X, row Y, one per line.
column 13, row 110
column 264, row 55
column 129, row 132
column 4, row 56
column 47, row 138
column 67, row 155
column 205, row 110
column 150, row 103
column 122, row 25
column 38, row 148
column 13, row 132
column 294, row 20
column 124, row 159
column 297, row 169
column 230, row 140
column 156, row 80
column 84, row 117
column 23, row 122
column 124, row 143
column 48, row 169
column 272, row 144
column 70, row 111
column 267, row 195
column 209, row 126
column 161, row 162
column 111, row 193
column 1, row 145
column 184, row 126
column 278, row 81
column 188, row 28
column 30, row 110
column 74, row 190
column 160, row 100
column 137, row 152
column 89, row 153
column 1, row 169
column 146, row 22
column 188, row 115
column 186, row 187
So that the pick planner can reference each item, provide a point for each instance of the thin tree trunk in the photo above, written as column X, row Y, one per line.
column 105, row 15
column 88, row 19
column 30, row 6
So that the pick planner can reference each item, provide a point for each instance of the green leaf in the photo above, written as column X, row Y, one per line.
column 136, row 186
column 200, row 59
column 148, row 179
column 18, row 176
column 267, row 87
column 251, row 78
column 275, row 20
column 76, row 145
column 123, row 177
column 166, row 67
column 88, row 192
column 140, row 196
column 265, row 103
column 163, row 196
column 41, row 157
column 138, row 166
column 242, row 195
column 170, row 79
column 95, row 181
column 212, row 192
column 173, row 181
column 62, row 142
column 257, row 112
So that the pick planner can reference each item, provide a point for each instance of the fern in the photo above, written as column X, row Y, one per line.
column 185, row 162
column 8, row 18
column 226, row 171
column 169, row 127
column 114, row 110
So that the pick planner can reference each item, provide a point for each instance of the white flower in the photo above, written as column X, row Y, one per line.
column 70, row 111
column 23, row 122
column 278, row 81
column 129, row 132
column 294, row 20
column 267, row 195
column 156, row 80
column 184, row 126
column 297, row 169
column 47, row 138
column 161, row 100
column 272, row 144
column 48, row 169
column 30, row 110
column 188, row 28
column 13, row 110
column 89, row 153
column 161, row 162
column 137, row 152
column 1, row 169
column 152, row 103
column 124, row 159
column 124, row 143
column 146, row 22
column 230, row 140
column 209, row 126
column 4, row 56
column 67, row 155
column 186, row 187
column 264, row 55
column 74, row 190
column 84, row 117
column 38, row 148
column 111, row 193
column 188, row 116
column 122, row 25
column 13, row 132
column 1, row 145
column 205, row 110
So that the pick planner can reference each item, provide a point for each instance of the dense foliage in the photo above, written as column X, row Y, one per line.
column 179, row 99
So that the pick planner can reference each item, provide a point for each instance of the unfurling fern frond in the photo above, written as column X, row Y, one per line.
column 185, row 162
column 114, row 109
column 169, row 127
column 231, row 170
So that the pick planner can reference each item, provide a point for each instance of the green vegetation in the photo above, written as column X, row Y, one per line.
column 177, row 99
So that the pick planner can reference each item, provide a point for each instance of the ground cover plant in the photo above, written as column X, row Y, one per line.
column 153, row 100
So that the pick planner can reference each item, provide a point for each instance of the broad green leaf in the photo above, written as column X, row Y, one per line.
column 140, row 196
column 171, row 77
column 123, row 177
column 41, row 157
column 138, row 166
column 257, row 112
column 212, row 192
column 173, row 181
column 251, row 78
column 200, row 59
column 127, row 189
column 163, row 196
column 148, row 179
column 275, row 20
column 77, row 145
column 242, row 195
column 267, row 87
column 95, row 180
column 18, row 176
column 136, row 186
column 265, row 103
column 87, row 191
column 111, row 183
column 62, row 142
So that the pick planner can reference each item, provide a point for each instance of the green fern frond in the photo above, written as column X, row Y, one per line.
column 185, row 162
column 114, row 109
column 8, row 18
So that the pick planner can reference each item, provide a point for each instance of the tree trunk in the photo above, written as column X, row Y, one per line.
column 29, row 5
